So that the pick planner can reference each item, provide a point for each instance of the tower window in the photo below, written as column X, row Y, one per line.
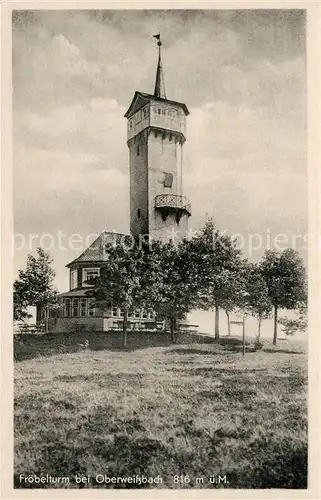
column 138, row 213
column 168, row 180
column 159, row 111
column 163, row 112
column 138, row 150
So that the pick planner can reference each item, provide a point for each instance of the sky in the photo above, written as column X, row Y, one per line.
column 242, row 75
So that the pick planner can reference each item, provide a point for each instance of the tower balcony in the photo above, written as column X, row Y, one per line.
column 172, row 204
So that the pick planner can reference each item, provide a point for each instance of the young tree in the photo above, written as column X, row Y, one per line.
column 293, row 325
column 218, row 271
column 257, row 301
column 34, row 286
column 285, row 277
column 174, row 288
column 125, row 280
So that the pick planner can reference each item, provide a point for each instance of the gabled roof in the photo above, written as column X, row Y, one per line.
column 96, row 252
column 141, row 98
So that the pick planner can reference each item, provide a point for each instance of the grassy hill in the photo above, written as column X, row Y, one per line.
column 199, row 410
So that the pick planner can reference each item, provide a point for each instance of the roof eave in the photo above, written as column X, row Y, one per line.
column 150, row 96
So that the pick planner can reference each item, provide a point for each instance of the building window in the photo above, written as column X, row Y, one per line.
column 83, row 307
column 138, row 151
column 159, row 111
column 137, row 314
column 138, row 213
column 89, row 274
column 121, row 313
column 114, row 312
column 144, row 315
column 73, row 279
column 91, row 311
column 67, row 308
column 168, row 180
column 75, row 307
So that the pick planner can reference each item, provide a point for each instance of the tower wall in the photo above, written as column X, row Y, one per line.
column 164, row 156
column 138, row 166
column 155, row 137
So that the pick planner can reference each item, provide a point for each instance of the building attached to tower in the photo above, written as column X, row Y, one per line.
column 156, row 133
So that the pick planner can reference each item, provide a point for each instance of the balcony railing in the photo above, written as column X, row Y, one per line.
column 171, row 201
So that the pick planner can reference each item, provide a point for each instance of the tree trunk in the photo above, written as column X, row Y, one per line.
column 228, row 323
column 172, row 323
column 217, row 321
column 125, row 328
column 275, row 334
column 259, row 330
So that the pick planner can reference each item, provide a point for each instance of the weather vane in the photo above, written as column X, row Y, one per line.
column 159, row 43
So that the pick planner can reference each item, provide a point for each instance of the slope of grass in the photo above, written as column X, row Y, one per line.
column 200, row 410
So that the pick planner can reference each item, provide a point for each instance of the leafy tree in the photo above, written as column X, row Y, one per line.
column 218, row 271
column 285, row 277
column 174, row 288
column 293, row 325
column 257, row 301
column 124, row 280
column 34, row 286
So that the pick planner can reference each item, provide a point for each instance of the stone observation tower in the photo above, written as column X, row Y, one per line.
column 155, row 138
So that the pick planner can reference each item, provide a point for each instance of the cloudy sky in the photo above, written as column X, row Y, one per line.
column 242, row 75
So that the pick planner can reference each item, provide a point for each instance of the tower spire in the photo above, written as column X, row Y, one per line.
column 159, row 90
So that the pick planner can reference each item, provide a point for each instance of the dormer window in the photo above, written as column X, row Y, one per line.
column 89, row 273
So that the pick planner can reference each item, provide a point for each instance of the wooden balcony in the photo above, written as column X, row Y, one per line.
column 172, row 203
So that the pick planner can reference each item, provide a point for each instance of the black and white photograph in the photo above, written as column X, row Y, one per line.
column 160, row 247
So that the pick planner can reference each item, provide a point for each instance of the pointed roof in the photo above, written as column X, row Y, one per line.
column 96, row 252
column 141, row 98
column 159, row 90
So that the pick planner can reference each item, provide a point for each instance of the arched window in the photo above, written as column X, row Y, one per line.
column 138, row 213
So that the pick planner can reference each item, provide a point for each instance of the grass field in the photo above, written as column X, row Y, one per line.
column 198, row 410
